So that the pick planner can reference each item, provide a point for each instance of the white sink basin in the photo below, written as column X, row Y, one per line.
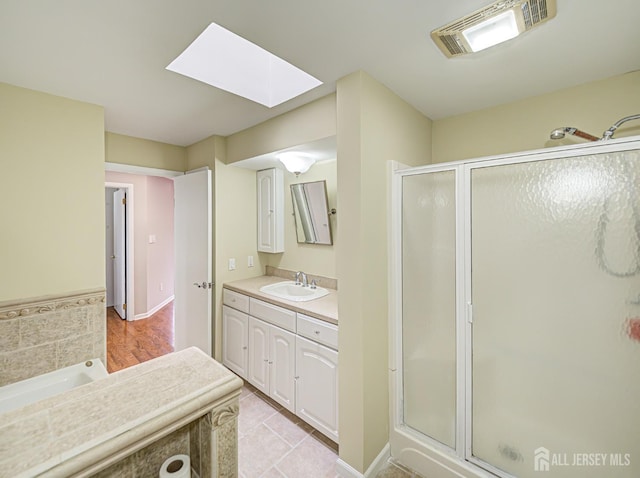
column 290, row 291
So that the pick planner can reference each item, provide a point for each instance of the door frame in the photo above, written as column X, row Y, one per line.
column 128, row 244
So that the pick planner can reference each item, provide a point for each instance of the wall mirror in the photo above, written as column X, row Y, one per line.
column 311, row 212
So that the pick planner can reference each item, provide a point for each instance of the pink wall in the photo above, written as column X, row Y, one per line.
column 153, row 215
column 160, row 255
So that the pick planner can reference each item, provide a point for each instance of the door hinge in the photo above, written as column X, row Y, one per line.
column 124, row 306
column 470, row 312
column 124, row 200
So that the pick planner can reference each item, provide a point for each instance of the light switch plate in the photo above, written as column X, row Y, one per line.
column 232, row 264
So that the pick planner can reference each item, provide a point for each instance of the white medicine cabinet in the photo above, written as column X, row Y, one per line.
column 270, row 195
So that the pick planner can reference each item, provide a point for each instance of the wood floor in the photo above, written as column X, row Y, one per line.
column 131, row 343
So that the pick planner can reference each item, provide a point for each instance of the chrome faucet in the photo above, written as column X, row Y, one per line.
column 301, row 279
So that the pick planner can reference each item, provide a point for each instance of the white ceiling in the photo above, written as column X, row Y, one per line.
column 114, row 53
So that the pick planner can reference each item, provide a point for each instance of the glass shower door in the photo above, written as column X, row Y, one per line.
column 428, row 304
column 555, row 277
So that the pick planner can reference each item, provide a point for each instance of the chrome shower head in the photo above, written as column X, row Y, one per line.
column 559, row 133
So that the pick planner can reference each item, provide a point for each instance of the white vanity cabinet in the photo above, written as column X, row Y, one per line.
column 317, row 375
column 289, row 356
column 272, row 362
column 270, row 195
column 235, row 347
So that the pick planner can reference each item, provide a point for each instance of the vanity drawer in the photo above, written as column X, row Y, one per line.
column 237, row 301
column 273, row 314
column 318, row 331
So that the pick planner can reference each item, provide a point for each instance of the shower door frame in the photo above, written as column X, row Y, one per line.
column 408, row 445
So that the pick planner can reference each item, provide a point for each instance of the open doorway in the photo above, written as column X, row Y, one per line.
column 119, row 248
column 156, row 268
column 139, row 258
column 116, row 250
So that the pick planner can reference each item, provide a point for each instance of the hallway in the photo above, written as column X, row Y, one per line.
column 131, row 343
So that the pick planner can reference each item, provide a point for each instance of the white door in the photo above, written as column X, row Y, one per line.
column 317, row 386
column 282, row 357
column 235, row 327
column 258, row 373
column 119, row 253
column 193, row 286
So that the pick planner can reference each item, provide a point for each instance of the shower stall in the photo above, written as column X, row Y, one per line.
column 515, row 314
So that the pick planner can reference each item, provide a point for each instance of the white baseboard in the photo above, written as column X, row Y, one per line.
column 148, row 314
column 347, row 471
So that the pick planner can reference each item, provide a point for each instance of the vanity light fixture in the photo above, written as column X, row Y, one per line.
column 491, row 25
column 296, row 163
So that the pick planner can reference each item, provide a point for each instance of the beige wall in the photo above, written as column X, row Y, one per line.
column 52, row 194
column 373, row 126
column 311, row 122
column 310, row 258
column 525, row 125
column 123, row 149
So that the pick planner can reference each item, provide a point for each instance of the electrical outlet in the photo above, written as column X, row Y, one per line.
column 250, row 261
column 232, row 264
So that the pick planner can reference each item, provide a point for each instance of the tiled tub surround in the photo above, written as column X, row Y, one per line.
column 43, row 334
column 129, row 422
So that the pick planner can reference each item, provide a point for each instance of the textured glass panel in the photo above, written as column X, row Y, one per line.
column 556, row 289
column 428, row 302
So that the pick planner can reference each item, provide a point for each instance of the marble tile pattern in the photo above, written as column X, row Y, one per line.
column 274, row 443
column 94, row 426
column 43, row 334
column 325, row 308
column 148, row 461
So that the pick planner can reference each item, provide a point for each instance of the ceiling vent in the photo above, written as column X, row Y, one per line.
column 507, row 17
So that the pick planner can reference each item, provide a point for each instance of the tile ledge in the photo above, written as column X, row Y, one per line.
column 11, row 309
column 121, row 441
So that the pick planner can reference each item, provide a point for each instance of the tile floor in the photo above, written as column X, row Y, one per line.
column 272, row 442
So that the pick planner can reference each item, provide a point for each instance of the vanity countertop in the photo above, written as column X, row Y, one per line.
column 325, row 308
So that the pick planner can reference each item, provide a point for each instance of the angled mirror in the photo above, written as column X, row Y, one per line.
column 311, row 212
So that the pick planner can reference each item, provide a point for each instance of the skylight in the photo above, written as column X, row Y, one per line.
column 227, row 61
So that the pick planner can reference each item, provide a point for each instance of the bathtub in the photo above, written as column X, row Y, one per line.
column 19, row 394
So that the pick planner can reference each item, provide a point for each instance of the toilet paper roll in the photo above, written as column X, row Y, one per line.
column 176, row 466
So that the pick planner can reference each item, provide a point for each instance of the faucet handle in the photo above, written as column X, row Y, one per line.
column 313, row 284
column 298, row 275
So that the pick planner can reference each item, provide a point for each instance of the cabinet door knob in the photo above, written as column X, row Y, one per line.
column 244, row 348
column 317, row 332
